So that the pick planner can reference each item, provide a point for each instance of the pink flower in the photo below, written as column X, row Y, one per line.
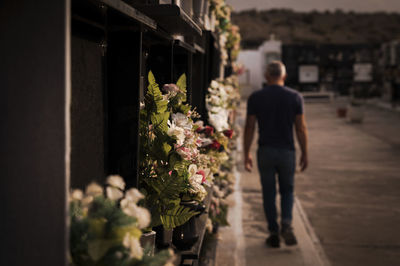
column 171, row 88
column 184, row 152
column 201, row 172
column 199, row 142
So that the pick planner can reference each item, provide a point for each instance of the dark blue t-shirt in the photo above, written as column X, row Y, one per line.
column 275, row 108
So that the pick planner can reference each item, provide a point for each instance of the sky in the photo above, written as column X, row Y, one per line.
column 321, row 5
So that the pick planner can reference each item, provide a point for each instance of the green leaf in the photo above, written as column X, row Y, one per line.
column 154, row 97
column 177, row 216
column 168, row 186
column 185, row 108
column 98, row 248
column 166, row 148
column 151, row 77
column 181, row 83
column 160, row 122
column 119, row 232
column 181, row 167
column 97, row 226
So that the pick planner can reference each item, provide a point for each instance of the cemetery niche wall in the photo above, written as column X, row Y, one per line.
column 92, row 77
column 122, row 55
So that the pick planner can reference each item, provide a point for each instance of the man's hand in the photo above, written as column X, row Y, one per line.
column 303, row 162
column 248, row 163
column 302, row 137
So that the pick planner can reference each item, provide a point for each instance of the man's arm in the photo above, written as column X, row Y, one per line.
column 302, row 138
column 248, row 139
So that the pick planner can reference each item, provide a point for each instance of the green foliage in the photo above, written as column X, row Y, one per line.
column 176, row 102
column 222, row 217
column 160, row 122
column 168, row 187
column 184, row 108
column 163, row 173
column 181, row 83
column 96, row 234
column 177, row 216
column 104, row 208
column 153, row 99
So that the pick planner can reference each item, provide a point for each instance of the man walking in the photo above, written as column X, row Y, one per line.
column 276, row 108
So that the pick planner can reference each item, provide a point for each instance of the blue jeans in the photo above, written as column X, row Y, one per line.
column 272, row 162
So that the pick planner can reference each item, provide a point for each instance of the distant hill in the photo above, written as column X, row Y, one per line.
column 316, row 27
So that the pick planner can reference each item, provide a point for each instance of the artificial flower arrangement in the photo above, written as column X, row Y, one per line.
column 171, row 170
column 229, row 36
column 221, row 102
column 222, row 13
column 179, row 154
column 105, row 229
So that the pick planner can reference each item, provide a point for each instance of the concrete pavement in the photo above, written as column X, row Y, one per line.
column 351, row 190
column 348, row 207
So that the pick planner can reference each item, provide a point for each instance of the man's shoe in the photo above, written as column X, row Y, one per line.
column 288, row 235
column 273, row 241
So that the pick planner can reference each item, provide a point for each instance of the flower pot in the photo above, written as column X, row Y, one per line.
column 148, row 242
column 341, row 112
column 215, row 228
column 356, row 113
column 163, row 237
column 186, row 235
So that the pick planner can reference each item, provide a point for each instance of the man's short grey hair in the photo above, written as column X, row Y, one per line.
column 276, row 69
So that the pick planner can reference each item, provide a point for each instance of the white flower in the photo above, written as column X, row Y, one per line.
column 217, row 110
column 214, row 84
column 192, row 169
column 116, row 181
column 114, row 193
column 141, row 105
column 94, row 189
column 76, row 194
column 133, row 195
column 181, row 120
column 133, row 244
column 206, row 141
column 142, row 214
column 199, row 123
column 172, row 88
column 177, row 132
column 215, row 100
column 198, row 189
column 229, row 89
column 86, row 201
column 219, row 121
column 197, row 178
column 144, row 217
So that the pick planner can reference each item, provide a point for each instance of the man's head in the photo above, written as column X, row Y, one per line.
column 275, row 73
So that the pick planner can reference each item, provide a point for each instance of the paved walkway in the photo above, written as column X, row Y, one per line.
column 351, row 191
column 350, row 195
column 243, row 242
